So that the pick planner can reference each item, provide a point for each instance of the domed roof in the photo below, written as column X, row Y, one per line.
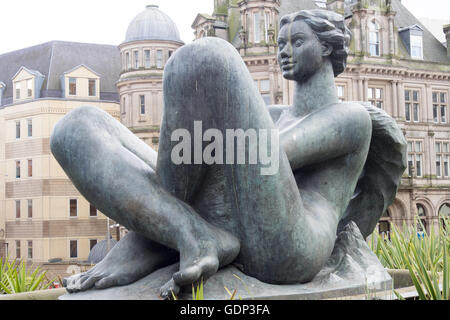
column 100, row 250
column 152, row 24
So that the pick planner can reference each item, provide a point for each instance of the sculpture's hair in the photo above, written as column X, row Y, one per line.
column 329, row 27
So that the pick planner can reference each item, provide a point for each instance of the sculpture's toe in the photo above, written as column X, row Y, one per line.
column 169, row 291
column 201, row 270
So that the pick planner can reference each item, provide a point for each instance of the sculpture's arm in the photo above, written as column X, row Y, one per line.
column 275, row 111
column 326, row 134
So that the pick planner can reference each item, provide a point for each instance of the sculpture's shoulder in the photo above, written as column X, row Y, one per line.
column 276, row 110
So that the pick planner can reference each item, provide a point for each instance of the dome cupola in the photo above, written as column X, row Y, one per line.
column 152, row 24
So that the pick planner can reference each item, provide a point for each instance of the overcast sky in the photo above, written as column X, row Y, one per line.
column 25, row 23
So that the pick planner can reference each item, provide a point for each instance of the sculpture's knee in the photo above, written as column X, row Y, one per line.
column 208, row 72
column 67, row 133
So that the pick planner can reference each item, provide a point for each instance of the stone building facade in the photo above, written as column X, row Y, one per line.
column 394, row 62
column 42, row 215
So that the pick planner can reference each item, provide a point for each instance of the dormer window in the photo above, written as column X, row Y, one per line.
column 374, row 39
column 416, row 47
column 412, row 37
column 27, row 84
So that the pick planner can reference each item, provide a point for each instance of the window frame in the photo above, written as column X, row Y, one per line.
column 17, row 86
column 264, row 93
column 18, row 251
column 411, row 103
column 18, row 209
column 90, row 211
column 30, row 90
column 30, row 247
column 439, row 105
column 70, row 249
column 440, row 156
column 147, row 62
column 70, row 208
column 18, row 129
column 90, row 244
column 415, row 155
column 136, row 63
column 30, row 208
column 72, row 85
column 142, row 104
column 30, row 168
column 374, row 31
column 18, row 171
column 415, row 36
column 257, row 27
column 159, row 59
column 94, row 82
column 30, row 127
column 373, row 98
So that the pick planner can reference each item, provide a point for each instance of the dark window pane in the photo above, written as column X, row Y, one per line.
column 92, row 243
column 17, row 209
column 30, row 208
column 17, row 129
column 408, row 112
column 73, row 207
column 30, row 168
column 30, row 127
column 72, row 86
column 73, row 248
column 92, row 211
column 92, row 88
column 17, row 169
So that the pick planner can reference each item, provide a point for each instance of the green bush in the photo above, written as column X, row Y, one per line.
column 425, row 257
column 16, row 277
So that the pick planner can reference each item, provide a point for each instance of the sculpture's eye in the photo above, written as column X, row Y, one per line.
column 298, row 43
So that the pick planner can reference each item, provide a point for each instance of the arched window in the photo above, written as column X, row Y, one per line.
column 421, row 223
column 374, row 39
column 444, row 213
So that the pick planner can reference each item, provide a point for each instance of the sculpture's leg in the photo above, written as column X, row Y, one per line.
column 284, row 239
column 96, row 152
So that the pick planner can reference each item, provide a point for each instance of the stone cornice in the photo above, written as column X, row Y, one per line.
column 47, row 110
column 398, row 71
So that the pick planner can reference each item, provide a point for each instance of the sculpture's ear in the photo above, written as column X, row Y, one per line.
column 327, row 49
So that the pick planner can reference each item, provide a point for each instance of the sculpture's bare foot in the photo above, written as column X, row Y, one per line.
column 201, row 259
column 131, row 259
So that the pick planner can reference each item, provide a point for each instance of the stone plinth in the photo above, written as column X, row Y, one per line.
column 351, row 270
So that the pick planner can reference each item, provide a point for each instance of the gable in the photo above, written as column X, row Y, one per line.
column 23, row 74
column 81, row 72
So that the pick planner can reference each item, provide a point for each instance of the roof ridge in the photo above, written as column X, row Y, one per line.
column 50, row 64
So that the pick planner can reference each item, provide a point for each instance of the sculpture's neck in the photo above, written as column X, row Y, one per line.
column 316, row 92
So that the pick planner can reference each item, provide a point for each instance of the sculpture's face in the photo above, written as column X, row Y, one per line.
column 300, row 53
